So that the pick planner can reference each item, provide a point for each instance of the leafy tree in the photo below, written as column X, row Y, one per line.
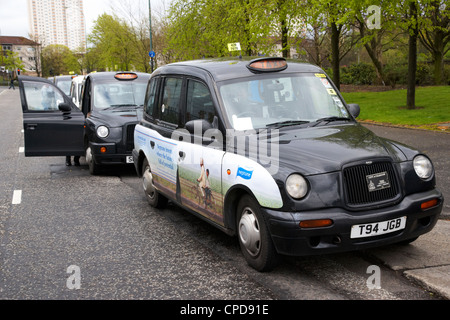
column 435, row 34
column 410, row 19
column 316, row 42
column 114, row 40
column 203, row 28
column 374, row 23
column 413, row 30
column 58, row 59
column 11, row 61
column 339, row 15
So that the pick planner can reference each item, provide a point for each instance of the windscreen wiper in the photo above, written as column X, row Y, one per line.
column 286, row 123
column 116, row 106
column 331, row 119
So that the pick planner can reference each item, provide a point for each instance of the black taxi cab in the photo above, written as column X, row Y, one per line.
column 101, row 128
column 268, row 150
column 64, row 82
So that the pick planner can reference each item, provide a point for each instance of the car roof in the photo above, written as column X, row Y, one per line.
column 109, row 75
column 65, row 77
column 221, row 69
column 78, row 79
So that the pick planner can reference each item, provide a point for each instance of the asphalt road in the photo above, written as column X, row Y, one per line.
column 68, row 228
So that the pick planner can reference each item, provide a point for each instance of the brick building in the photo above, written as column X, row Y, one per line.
column 27, row 50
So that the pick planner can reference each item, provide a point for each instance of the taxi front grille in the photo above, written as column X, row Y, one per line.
column 129, row 142
column 357, row 181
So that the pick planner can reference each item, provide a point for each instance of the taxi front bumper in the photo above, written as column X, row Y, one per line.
column 290, row 239
column 109, row 153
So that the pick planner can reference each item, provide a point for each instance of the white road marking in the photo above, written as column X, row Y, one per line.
column 17, row 197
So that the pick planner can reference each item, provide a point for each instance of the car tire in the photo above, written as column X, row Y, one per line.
column 254, row 237
column 154, row 198
column 94, row 168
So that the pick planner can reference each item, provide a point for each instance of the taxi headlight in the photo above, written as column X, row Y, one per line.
column 296, row 186
column 102, row 131
column 423, row 167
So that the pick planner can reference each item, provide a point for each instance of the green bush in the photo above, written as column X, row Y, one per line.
column 424, row 75
column 396, row 74
column 359, row 74
column 447, row 74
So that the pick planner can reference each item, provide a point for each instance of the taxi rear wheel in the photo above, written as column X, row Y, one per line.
column 254, row 238
column 154, row 198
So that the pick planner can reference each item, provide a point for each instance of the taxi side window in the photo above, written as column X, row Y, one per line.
column 171, row 100
column 199, row 104
column 149, row 107
column 42, row 97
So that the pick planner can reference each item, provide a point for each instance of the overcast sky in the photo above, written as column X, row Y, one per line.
column 14, row 13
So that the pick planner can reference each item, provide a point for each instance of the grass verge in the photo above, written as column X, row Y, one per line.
column 389, row 107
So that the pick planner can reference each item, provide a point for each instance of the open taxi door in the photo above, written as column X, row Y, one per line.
column 53, row 125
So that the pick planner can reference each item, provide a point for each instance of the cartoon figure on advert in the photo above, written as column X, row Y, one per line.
column 208, row 192
column 202, row 179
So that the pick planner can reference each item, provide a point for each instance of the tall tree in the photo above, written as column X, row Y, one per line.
column 203, row 28
column 11, row 61
column 58, row 60
column 37, row 54
column 413, row 30
column 339, row 16
column 435, row 34
column 115, row 41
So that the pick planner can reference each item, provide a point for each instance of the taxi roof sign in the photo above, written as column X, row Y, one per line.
column 126, row 76
column 272, row 64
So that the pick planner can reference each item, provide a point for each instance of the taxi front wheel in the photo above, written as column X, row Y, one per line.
column 154, row 198
column 94, row 168
column 254, row 238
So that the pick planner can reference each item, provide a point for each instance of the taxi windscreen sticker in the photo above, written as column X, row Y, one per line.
column 331, row 92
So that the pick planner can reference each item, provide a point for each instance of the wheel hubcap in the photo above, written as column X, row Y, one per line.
column 147, row 183
column 249, row 232
column 88, row 155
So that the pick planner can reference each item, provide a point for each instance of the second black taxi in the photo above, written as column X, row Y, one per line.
column 101, row 129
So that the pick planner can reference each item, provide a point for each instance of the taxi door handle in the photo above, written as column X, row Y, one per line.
column 152, row 144
column 31, row 126
column 182, row 155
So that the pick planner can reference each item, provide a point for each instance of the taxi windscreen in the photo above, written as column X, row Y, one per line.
column 275, row 99
column 117, row 94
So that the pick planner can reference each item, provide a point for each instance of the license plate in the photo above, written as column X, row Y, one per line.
column 378, row 181
column 130, row 159
column 377, row 228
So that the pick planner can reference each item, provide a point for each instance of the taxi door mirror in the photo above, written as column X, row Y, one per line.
column 354, row 109
column 64, row 107
column 197, row 126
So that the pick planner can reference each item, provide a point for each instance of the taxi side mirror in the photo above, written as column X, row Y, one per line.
column 354, row 109
column 64, row 107
column 197, row 126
